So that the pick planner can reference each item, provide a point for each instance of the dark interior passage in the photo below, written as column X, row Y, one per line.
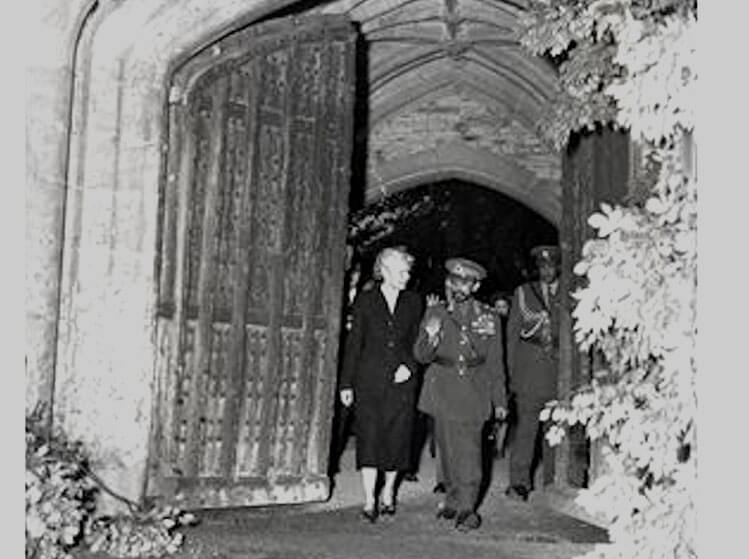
column 457, row 218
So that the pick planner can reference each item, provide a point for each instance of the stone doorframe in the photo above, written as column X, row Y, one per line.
column 103, row 387
column 103, row 379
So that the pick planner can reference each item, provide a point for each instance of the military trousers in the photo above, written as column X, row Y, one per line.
column 528, row 444
column 459, row 453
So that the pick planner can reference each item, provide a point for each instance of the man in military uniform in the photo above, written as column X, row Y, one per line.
column 461, row 342
column 532, row 360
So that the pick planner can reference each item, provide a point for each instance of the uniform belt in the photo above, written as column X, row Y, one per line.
column 446, row 362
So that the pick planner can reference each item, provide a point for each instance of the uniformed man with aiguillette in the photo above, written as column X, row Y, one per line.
column 461, row 342
column 532, row 359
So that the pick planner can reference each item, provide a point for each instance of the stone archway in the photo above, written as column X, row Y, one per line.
column 460, row 161
column 107, row 285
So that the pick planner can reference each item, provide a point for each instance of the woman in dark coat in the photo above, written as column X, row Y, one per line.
column 379, row 377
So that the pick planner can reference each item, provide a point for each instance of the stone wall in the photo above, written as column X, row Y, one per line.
column 48, row 82
column 458, row 133
column 461, row 117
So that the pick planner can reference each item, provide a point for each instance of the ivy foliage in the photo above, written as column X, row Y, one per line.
column 376, row 221
column 632, row 63
column 61, row 496
column 638, row 313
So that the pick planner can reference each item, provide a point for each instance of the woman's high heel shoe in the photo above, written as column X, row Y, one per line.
column 388, row 510
column 369, row 515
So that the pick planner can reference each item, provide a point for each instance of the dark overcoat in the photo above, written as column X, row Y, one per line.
column 378, row 342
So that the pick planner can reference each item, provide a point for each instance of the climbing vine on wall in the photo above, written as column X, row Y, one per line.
column 632, row 63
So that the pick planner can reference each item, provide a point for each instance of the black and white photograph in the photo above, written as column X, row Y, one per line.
column 377, row 279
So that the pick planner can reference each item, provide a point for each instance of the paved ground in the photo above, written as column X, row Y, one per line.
column 333, row 530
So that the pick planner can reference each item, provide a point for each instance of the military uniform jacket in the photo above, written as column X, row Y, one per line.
column 466, row 375
column 533, row 341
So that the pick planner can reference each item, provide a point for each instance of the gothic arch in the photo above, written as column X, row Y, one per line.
column 463, row 161
column 121, row 100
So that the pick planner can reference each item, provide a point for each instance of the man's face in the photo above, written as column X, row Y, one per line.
column 502, row 307
column 460, row 288
column 547, row 272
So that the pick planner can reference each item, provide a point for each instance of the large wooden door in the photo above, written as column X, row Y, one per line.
column 254, row 205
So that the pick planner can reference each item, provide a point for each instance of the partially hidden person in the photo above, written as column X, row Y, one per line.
column 532, row 359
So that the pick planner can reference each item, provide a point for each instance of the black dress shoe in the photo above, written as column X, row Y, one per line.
column 410, row 476
column 446, row 513
column 387, row 510
column 517, row 492
column 467, row 520
column 370, row 515
column 439, row 488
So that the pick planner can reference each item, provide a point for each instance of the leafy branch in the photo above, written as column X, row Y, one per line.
column 61, row 494
column 632, row 63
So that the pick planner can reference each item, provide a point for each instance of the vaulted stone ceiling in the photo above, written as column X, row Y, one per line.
column 452, row 94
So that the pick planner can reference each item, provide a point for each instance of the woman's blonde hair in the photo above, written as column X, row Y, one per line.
column 387, row 254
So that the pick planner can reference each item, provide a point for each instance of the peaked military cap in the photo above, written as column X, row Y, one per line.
column 464, row 268
column 546, row 253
